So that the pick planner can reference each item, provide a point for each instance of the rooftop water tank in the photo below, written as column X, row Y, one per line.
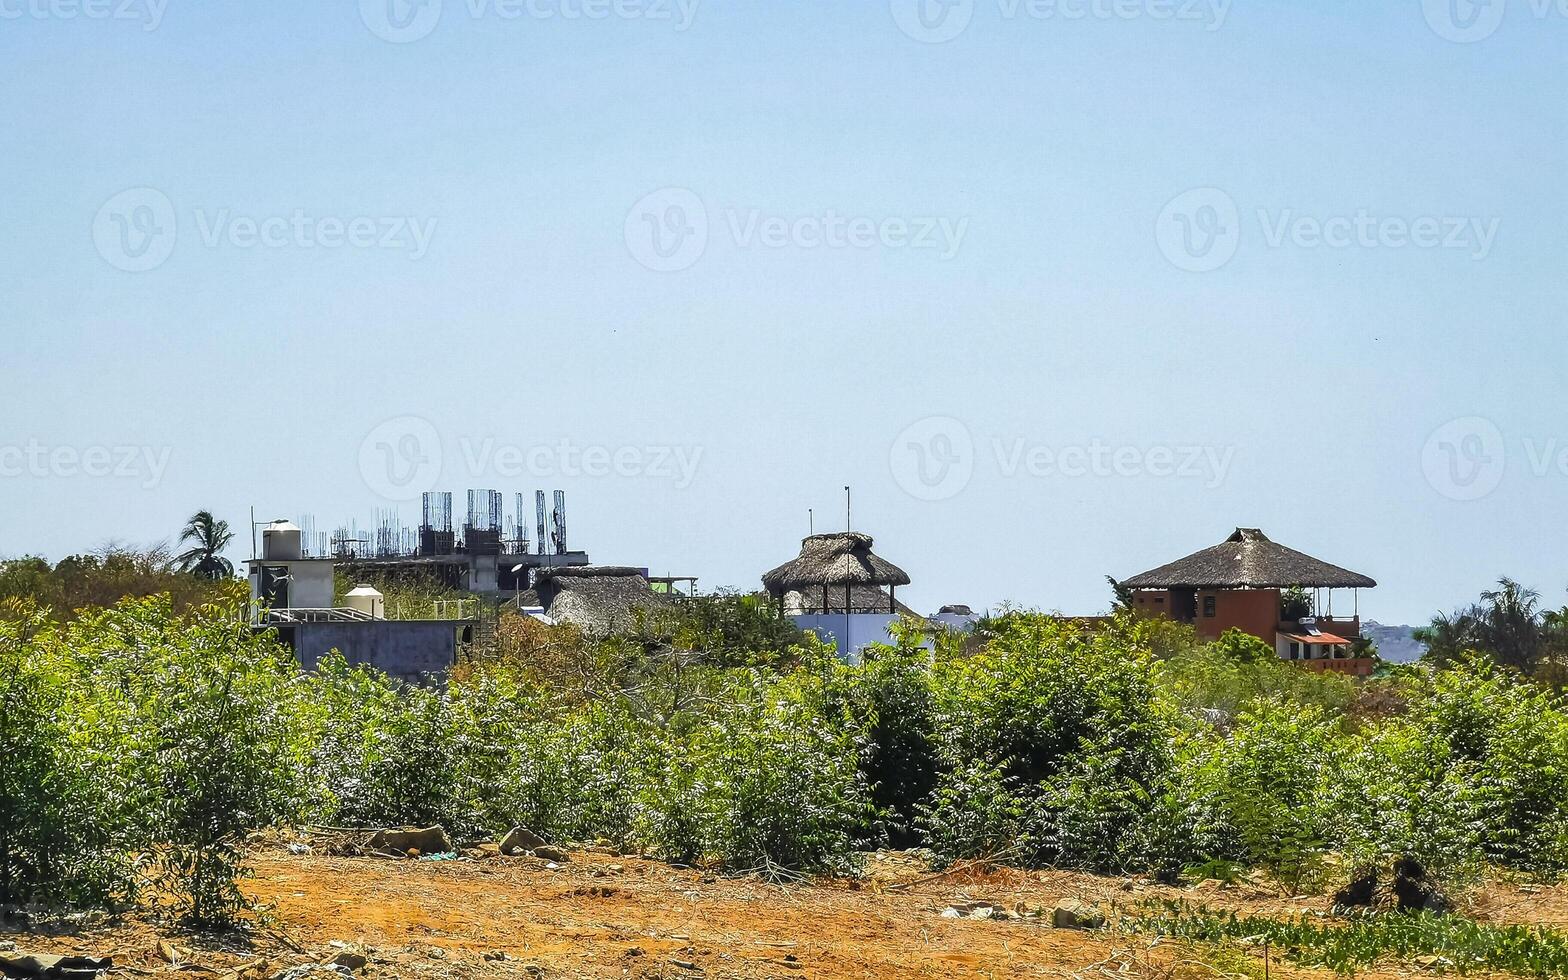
column 280, row 541
column 367, row 600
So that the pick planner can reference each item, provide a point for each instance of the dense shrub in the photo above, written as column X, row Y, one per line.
column 101, row 579
column 61, row 829
column 1053, row 730
column 142, row 746
column 1258, row 788
column 139, row 744
column 889, row 705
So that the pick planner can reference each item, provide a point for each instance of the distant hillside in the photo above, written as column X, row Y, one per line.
column 1396, row 644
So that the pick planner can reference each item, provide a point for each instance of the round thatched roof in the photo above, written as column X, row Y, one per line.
column 1249, row 560
column 600, row 600
column 834, row 559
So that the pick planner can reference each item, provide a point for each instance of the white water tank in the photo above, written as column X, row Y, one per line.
column 280, row 541
column 367, row 600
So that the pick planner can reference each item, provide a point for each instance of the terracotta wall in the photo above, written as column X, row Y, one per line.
column 1254, row 611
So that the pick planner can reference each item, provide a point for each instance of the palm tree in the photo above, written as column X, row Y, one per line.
column 1513, row 624
column 1506, row 625
column 1451, row 637
column 210, row 536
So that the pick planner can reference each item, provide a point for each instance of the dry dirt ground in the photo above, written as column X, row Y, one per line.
column 601, row 915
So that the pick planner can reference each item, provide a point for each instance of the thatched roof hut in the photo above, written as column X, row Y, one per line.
column 599, row 601
column 1249, row 560
column 862, row 599
column 842, row 571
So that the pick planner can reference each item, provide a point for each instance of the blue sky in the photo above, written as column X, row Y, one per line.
column 1070, row 293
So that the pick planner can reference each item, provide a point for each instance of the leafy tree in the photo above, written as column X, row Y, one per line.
column 1294, row 604
column 889, row 703
column 1242, row 647
column 1121, row 596
column 729, row 629
column 208, row 537
column 101, row 579
column 1506, row 625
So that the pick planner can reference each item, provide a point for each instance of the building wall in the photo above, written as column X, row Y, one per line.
column 1154, row 603
column 312, row 585
column 405, row 649
column 1254, row 611
column 850, row 633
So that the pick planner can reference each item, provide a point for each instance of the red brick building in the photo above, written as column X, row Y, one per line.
column 1242, row 582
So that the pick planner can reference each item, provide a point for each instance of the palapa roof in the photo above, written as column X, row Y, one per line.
column 838, row 559
column 1249, row 560
column 599, row 601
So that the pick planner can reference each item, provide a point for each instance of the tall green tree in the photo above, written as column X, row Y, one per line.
column 1506, row 625
column 208, row 537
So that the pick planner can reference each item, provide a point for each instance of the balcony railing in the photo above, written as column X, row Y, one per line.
column 1349, row 628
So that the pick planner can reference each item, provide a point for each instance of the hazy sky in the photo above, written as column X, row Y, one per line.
column 1061, row 289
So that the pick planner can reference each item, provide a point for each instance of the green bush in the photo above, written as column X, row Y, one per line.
column 62, row 823
column 1054, row 729
column 1260, row 785
column 889, row 705
column 139, row 744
